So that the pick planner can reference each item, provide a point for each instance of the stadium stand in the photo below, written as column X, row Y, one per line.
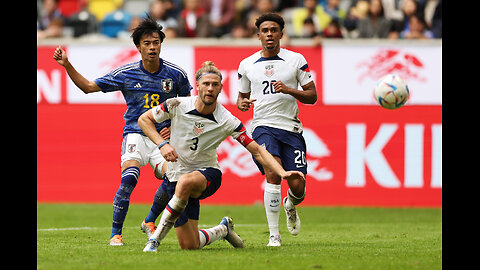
column 344, row 13
column 100, row 8
column 136, row 7
column 82, row 23
column 114, row 22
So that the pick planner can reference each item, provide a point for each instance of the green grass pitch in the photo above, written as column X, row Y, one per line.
column 75, row 236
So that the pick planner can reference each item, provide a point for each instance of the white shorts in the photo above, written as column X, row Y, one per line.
column 142, row 149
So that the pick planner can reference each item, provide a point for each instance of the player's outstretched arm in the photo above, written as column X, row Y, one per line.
column 268, row 161
column 85, row 85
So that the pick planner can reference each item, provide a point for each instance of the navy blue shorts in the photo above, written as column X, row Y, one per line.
column 289, row 146
column 192, row 211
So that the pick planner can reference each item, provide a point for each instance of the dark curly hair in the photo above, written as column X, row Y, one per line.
column 274, row 17
column 147, row 27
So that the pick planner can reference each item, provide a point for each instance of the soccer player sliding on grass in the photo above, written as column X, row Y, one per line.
column 198, row 125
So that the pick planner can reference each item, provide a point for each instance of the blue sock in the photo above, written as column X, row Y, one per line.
column 121, row 201
column 159, row 203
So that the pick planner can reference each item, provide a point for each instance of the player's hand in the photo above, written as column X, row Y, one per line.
column 292, row 175
column 245, row 104
column 60, row 56
column 169, row 153
column 280, row 87
column 165, row 132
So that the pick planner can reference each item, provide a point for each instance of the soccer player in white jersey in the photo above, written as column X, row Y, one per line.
column 269, row 80
column 144, row 84
column 199, row 125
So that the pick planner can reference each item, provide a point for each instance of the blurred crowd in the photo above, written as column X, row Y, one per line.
column 315, row 19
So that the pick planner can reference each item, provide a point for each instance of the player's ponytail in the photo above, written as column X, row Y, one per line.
column 208, row 67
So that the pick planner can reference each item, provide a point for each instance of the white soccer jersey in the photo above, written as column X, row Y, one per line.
column 256, row 74
column 195, row 137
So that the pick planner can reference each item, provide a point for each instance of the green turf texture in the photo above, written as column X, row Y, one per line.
column 75, row 236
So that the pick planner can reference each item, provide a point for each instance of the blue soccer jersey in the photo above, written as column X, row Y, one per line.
column 143, row 90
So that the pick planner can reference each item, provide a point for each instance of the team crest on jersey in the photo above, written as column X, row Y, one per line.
column 131, row 148
column 269, row 70
column 198, row 128
column 167, row 85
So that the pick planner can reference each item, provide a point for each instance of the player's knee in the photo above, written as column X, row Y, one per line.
column 188, row 244
column 187, row 185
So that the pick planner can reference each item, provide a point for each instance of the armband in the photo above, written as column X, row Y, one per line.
column 244, row 139
column 162, row 144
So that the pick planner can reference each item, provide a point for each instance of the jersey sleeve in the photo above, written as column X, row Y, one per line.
column 243, row 81
column 184, row 86
column 161, row 112
column 303, row 72
column 112, row 81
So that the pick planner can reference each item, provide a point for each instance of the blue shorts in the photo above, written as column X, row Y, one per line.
column 289, row 146
column 192, row 211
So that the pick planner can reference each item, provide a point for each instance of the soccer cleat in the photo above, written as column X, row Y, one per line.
column 274, row 241
column 116, row 240
column 148, row 228
column 232, row 237
column 151, row 246
column 293, row 220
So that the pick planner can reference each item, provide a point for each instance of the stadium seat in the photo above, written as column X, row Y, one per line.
column 70, row 7
column 115, row 22
column 83, row 22
column 100, row 8
column 136, row 7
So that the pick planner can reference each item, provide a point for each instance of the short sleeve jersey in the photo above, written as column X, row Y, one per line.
column 143, row 90
column 256, row 75
column 194, row 136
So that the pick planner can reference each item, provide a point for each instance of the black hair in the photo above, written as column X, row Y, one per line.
column 274, row 17
column 147, row 27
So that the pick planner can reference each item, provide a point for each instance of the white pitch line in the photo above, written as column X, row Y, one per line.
column 106, row 228
column 71, row 229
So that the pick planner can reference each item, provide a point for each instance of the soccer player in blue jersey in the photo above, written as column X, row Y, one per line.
column 144, row 84
column 270, row 78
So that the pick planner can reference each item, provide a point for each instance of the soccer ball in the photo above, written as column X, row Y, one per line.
column 391, row 92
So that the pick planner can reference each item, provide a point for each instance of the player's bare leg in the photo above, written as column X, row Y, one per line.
column 187, row 235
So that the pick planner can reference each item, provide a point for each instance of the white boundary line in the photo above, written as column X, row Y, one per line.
column 106, row 228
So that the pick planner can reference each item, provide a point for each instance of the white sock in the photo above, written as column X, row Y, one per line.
column 292, row 200
column 208, row 236
column 272, row 198
column 174, row 208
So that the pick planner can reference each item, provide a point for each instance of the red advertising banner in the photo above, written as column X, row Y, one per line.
column 358, row 155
